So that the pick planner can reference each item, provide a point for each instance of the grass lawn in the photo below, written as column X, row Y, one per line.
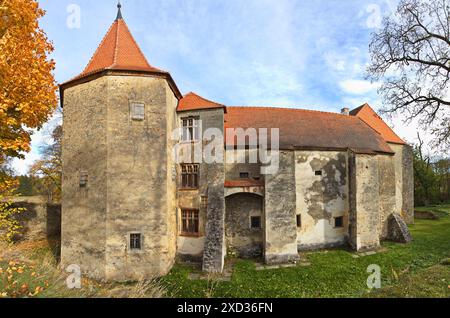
column 418, row 269
column 410, row 270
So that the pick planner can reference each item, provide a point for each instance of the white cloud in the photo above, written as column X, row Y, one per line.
column 358, row 87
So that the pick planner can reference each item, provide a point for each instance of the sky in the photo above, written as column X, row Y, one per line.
column 308, row 54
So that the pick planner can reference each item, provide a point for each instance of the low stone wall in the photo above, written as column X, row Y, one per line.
column 40, row 220
column 425, row 215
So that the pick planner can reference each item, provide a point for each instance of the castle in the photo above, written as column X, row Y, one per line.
column 130, row 209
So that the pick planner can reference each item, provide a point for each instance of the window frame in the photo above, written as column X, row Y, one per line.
column 189, row 176
column 130, row 242
column 190, row 223
column 191, row 131
column 243, row 174
column 137, row 116
column 299, row 221
column 341, row 218
column 259, row 228
column 83, row 179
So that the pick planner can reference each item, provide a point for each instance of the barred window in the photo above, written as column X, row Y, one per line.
column 244, row 175
column 191, row 129
column 135, row 241
column 137, row 111
column 189, row 222
column 255, row 222
column 189, row 176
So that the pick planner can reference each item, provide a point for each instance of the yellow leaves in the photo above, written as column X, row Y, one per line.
column 27, row 85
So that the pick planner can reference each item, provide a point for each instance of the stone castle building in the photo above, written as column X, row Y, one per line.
column 129, row 209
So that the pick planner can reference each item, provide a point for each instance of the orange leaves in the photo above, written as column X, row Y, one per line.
column 27, row 85
column 19, row 280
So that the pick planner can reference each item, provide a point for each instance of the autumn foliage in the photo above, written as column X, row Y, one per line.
column 27, row 85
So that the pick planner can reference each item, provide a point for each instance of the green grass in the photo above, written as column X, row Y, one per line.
column 418, row 269
column 407, row 271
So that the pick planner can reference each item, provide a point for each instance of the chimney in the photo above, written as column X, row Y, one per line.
column 345, row 111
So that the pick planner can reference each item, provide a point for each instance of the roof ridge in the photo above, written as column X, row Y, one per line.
column 98, row 48
column 139, row 48
column 289, row 108
column 116, row 44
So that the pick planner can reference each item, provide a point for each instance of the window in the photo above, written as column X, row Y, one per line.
column 189, row 222
column 299, row 220
column 339, row 222
column 137, row 111
column 255, row 222
column 318, row 173
column 189, row 176
column 135, row 241
column 191, row 129
column 83, row 179
column 244, row 175
column 204, row 201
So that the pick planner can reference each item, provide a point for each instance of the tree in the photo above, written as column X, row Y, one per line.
column 27, row 85
column 48, row 170
column 410, row 54
column 9, row 225
column 426, row 185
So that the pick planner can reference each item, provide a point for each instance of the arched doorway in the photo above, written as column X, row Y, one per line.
column 244, row 225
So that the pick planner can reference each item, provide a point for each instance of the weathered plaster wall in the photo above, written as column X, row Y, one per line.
column 84, row 147
column 242, row 160
column 40, row 220
column 280, row 230
column 320, row 199
column 398, row 162
column 404, row 178
column 211, row 185
column 408, row 185
column 364, row 201
column 139, row 179
column 241, row 239
column 387, row 192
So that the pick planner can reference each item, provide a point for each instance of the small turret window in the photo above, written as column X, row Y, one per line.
column 137, row 111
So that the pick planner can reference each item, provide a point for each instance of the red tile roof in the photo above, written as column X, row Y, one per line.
column 192, row 101
column 118, row 51
column 243, row 183
column 306, row 129
column 371, row 118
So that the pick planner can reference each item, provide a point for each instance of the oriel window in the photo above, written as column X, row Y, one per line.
column 189, row 176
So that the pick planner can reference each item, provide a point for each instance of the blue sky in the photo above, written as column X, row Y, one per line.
column 284, row 53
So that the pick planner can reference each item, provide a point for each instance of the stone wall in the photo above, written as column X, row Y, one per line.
column 211, row 186
column 408, row 185
column 364, row 201
column 387, row 190
column 139, row 176
column 41, row 220
column 280, row 230
column 238, row 161
column 321, row 198
column 242, row 240
column 84, row 148
column 130, row 184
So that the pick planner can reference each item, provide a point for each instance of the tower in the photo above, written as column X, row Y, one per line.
column 118, row 204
